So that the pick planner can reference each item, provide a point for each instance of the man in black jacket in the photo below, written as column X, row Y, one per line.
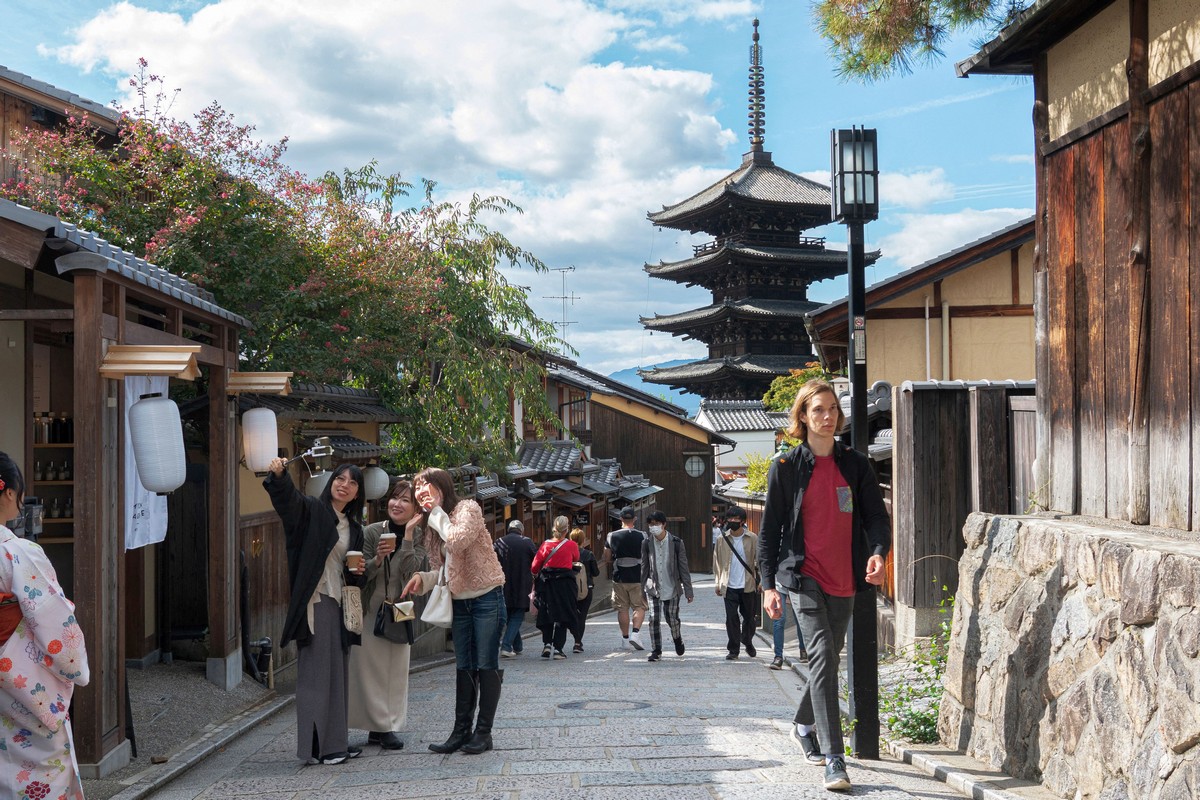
column 515, row 551
column 825, row 533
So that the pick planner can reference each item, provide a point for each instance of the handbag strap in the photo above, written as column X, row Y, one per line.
column 736, row 554
column 552, row 552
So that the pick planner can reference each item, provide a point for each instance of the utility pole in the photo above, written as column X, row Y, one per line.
column 571, row 298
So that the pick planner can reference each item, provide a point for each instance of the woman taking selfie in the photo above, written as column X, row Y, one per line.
column 41, row 648
column 457, row 537
column 319, row 532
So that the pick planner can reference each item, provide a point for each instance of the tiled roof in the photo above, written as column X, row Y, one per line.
column 609, row 470
column 351, row 448
column 599, row 487
column 114, row 259
column 323, row 403
column 571, row 499
column 819, row 263
column 555, row 457
column 750, row 307
column 756, row 179
column 751, row 364
column 739, row 415
column 516, row 471
column 634, row 494
column 591, row 381
column 737, row 489
column 92, row 108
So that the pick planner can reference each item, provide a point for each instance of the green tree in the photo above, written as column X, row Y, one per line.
column 342, row 282
column 875, row 39
column 782, row 391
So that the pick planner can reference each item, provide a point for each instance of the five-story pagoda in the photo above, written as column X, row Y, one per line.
column 758, row 268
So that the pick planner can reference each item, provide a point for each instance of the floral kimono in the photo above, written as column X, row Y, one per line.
column 40, row 665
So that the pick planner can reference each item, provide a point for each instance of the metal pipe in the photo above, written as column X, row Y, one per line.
column 928, row 370
column 945, row 341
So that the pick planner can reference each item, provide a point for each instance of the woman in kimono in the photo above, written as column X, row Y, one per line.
column 42, row 660
column 319, row 532
column 379, row 668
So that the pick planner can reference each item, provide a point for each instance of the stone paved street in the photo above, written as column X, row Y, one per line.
column 687, row 727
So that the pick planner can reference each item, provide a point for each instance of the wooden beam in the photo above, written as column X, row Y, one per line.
column 222, row 520
column 1137, row 72
column 140, row 334
column 33, row 314
column 20, row 244
column 1014, row 263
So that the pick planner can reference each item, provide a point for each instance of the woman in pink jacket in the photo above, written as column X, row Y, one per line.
column 455, row 534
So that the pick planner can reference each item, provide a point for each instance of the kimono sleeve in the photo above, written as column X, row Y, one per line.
column 49, row 635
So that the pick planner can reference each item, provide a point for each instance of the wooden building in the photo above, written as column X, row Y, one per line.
column 78, row 315
column 1115, row 133
column 758, row 269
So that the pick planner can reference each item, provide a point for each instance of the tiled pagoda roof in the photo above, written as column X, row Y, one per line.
column 712, row 369
column 747, row 308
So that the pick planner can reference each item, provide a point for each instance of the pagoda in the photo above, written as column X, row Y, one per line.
column 758, row 267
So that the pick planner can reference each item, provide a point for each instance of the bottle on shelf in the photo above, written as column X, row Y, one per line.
column 51, row 472
column 55, row 509
column 37, row 428
column 45, row 426
column 37, row 470
column 68, row 429
column 69, row 510
column 56, row 429
column 64, row 472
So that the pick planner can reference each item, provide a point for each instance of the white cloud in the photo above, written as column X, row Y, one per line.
column 1019, row 158
column 642, row 42
column 674, row 12
column 925, row 236
column 914, row 189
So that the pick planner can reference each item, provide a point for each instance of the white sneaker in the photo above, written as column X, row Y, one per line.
column 625, row 645
column 635, row 639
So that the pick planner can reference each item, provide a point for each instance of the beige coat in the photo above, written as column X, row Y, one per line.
column 723, row 556
column 474, row 569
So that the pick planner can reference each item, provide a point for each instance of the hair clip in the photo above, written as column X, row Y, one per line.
column 2, row 485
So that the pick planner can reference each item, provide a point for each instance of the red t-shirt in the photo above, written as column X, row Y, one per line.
column 827, row 513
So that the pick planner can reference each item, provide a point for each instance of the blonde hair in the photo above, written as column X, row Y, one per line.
column 561, row 524
column 797, row 428
column 577, row 536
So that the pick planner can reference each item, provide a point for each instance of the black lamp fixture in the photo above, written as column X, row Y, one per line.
column 855, row 175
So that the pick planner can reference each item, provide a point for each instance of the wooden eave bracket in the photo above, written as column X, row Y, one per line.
column 175, row 361
column 259, row 383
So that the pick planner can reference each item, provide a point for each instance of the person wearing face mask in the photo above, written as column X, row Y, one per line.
column 735, row 562
column 665, row 579
column 379, row 668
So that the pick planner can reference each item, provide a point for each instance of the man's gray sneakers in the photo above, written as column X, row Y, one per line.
column 836, row 778
column 809, row 744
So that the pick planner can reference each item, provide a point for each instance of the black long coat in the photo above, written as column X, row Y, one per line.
column 310, row 532
column 516, row 552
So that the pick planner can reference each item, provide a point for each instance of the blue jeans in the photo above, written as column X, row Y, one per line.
column 778, row 625
column 476, row 630
column 511, row 641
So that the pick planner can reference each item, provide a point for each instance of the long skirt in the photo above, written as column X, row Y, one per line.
column 37, row 763
column 378, row 677
column 321, row 672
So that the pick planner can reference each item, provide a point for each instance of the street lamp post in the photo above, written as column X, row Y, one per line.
column 855, row 189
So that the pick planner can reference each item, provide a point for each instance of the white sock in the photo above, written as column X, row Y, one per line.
column 803, row 730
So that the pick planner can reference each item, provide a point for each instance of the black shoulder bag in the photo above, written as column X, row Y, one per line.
column 390, row 622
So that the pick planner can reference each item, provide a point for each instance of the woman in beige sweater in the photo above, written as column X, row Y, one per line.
column 456, row 535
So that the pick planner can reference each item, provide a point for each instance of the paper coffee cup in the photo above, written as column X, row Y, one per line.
column 354, row 559
column 387, row 537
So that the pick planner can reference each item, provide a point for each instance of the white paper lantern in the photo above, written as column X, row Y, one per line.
column 260, row 438
column 375, row 483
column 316, row 483
column 157, row 435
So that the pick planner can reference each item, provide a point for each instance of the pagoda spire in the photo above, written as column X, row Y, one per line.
column 758, row 103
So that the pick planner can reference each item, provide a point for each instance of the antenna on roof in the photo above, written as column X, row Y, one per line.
column 758, row 105
column 565, row 299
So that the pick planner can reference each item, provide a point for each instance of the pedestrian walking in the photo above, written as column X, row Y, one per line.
column 553, row 569
column 623, row 554
column 778, row 627
column 666, row 581
column 457, row 538
column 834, row 546
column 319, row 534
column 42, row 658
column 515, row 551
column 379, row 667
column 591, row 571
column 735, row 562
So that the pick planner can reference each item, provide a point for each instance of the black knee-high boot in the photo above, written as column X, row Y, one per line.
column 466, row 692
column 489, row 697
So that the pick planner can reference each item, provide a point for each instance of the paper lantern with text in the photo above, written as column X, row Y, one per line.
column 157, row 436
column 260, row 438
column 375, row 482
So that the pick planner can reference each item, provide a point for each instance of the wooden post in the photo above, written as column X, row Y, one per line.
column 989, row 449
column 1041, row 319
column 1137, row 72
column 224, row 662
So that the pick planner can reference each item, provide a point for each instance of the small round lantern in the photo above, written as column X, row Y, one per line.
column 316, row 483
column 375, row 483
column 157, row 435
column 260, row 438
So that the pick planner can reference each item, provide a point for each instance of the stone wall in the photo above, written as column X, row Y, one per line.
column 1073, row 657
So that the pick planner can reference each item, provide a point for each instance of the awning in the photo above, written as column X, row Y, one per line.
column 259, row 382
column 599, row 487
column 490, row 493
column 351, row 448
column 175, row 361
column 633, row 495
column 571, row 499
column 562, row 484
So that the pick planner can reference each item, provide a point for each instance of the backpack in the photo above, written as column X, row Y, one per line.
column 581, row 587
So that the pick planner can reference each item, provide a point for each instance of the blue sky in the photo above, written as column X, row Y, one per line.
column 587, row 114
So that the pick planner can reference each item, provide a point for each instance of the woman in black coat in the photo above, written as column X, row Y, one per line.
column 318, row 533
column 591, row 570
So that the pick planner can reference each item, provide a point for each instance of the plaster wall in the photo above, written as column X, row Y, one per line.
column 1174, row 37
column 1074, row 656
column 896, row 350
column 991, row 348
column 1086, row 71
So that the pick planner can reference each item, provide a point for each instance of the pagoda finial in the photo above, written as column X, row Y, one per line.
column 758, row 105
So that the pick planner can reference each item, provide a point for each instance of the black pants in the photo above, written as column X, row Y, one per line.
column 585, row 605
column 741, row 607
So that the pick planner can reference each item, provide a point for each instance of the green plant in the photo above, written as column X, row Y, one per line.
column 909, row 708
column 782, row 392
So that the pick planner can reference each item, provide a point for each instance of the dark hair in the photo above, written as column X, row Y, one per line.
column 10, row 473
column 444, row 483
column 735, row 512
column 656, row 516
column 402, row 488
column 354, row 508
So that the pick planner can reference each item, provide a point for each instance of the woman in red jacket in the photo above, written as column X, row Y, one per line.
column 554, row 573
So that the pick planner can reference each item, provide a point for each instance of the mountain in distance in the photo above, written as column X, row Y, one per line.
column 630, row 377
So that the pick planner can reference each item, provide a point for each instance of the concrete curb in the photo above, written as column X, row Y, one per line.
column 202, row 747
